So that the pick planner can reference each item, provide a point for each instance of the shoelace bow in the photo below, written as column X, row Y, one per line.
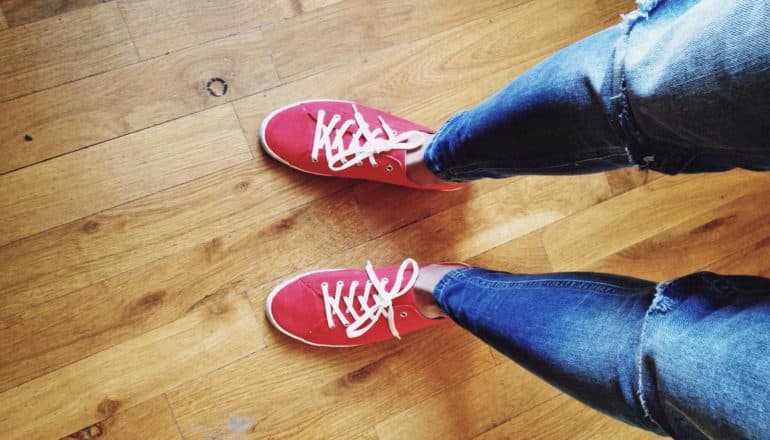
column 365, row 315
column 340, row 157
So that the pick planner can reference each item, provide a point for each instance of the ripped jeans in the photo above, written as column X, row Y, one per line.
column 679, row 86
column 688, row 358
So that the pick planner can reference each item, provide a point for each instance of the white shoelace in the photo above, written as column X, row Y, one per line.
column 340, row 157
column 365, row 315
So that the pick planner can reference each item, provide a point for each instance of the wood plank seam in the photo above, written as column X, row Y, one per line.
column 174, row 119
column 130, row 37
column 42, row 227
column 101, row 10
column 85, row 124
column 173, row 416
column 528, row 409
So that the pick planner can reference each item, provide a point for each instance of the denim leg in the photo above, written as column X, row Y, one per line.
column 553, row 119
column 679, row 86
column 687, row 358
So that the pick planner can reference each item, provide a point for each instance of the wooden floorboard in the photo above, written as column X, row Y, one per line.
column 351, row 28
column 161, row 26
column 564, row 418
column 19, row 12
column 75, row 255
column 624, row 220
column 215, row 332
column 142, row 227
column 109, row 105
column 63, row 48
column 313, row 392
column 89, row 181
column 150, row 419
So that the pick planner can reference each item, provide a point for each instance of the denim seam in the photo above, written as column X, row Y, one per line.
column 479, row 166
column 551, row 282
column 430, row 159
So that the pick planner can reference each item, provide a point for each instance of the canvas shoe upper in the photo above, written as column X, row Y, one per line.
column 348, row 307
column 345, row 139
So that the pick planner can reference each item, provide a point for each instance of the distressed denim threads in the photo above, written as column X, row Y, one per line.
column 689, row 358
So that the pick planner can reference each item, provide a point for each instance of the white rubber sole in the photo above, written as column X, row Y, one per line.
column 269, row 311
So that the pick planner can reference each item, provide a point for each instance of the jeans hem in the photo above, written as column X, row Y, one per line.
column 431, row 160
column 438, row 290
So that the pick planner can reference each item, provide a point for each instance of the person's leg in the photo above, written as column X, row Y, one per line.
column 687, row 358
column 680, row 86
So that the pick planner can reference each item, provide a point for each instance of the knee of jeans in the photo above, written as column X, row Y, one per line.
column 698, row 367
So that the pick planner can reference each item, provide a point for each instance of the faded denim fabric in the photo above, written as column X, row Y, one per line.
column 688, row 358
column 678, row 86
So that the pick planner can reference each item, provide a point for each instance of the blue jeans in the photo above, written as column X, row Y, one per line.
column 689, row 358
column 679, row 86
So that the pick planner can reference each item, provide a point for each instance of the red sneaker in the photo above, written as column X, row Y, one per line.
column 343, row 307
column 344, row 139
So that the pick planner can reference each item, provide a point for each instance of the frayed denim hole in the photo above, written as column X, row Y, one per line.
column 660, row 305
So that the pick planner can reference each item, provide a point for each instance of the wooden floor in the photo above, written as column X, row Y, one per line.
column 141, row 226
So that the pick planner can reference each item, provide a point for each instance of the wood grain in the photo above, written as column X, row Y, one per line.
column 161, row 26
column 20, row 12
column 43, row 338
column 752, row 260
column 523, row 254
column 63, row 48
column 318, row 393
column 72, row 256
column 696, row 243
column 212, row 334
column 609, row 11
column 564, row 418
column 624, row 220
column 626, row 179
column 310, row 5
column 3, row 21
column 469, row 229
column 88, row 181
column 503, row 391
column 150, row 419
column 353, row 28
column 115, row 103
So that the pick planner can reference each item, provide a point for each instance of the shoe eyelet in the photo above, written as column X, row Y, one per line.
column 389, row 168
column 403, row 314
column 314, row 160
column 339, row 283
column 345, row 324
column 360, row 164
column 375, row 165
column 324, row 284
